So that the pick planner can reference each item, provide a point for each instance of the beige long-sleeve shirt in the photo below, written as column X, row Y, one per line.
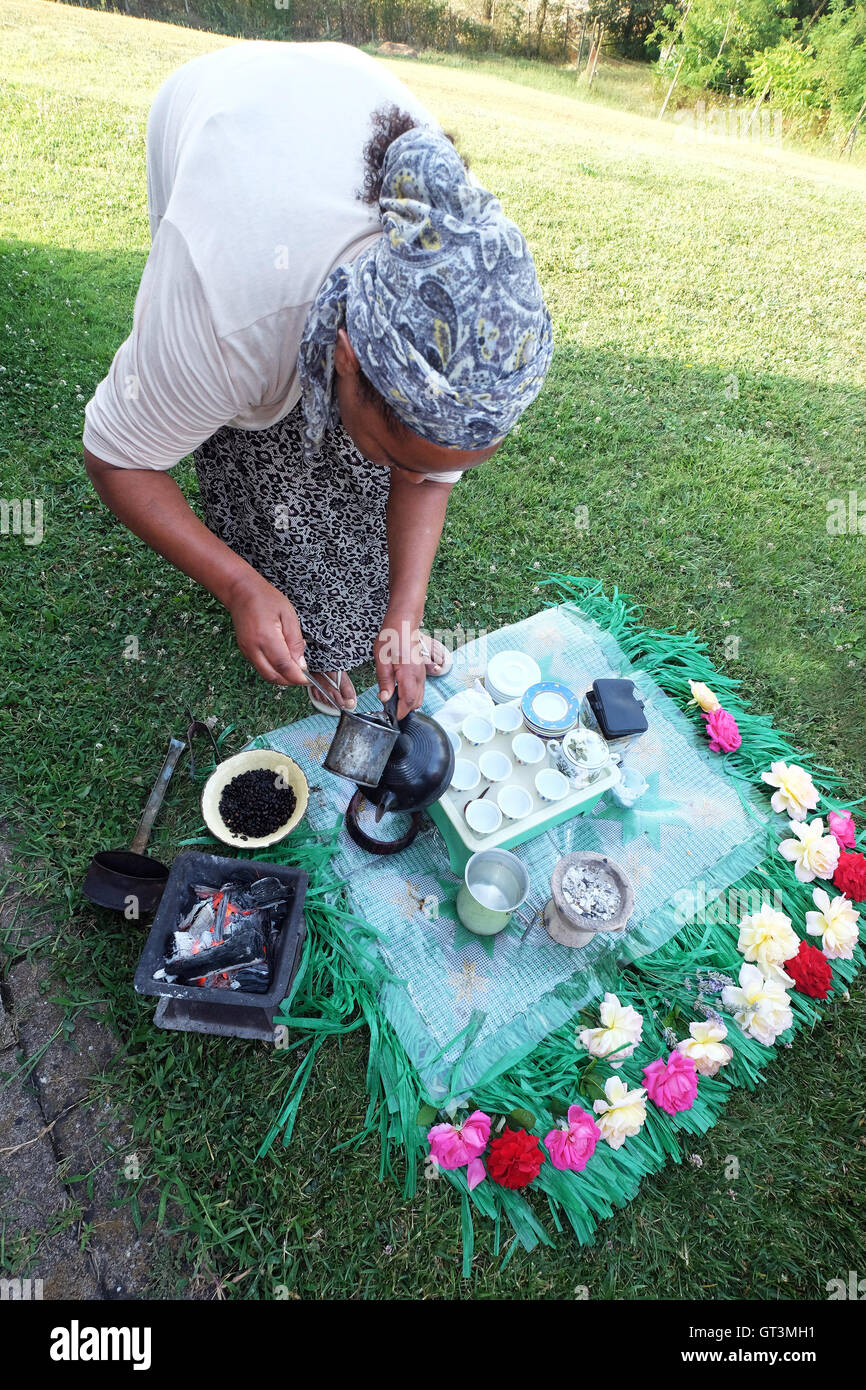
column 254, row 165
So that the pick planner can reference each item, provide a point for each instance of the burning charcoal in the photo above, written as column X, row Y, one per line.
column 218, row 981
column 255, row 976
column 252, row 978
column 256, row 803
column 245, row 945
column 229, row 937
column 200, row 917
column 268, row 892
column 184, row 944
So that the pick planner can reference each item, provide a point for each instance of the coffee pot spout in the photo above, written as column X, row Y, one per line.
column 388, row 802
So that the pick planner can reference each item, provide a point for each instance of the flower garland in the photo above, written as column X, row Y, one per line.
column 775, row 958
column 721, row 727
column 775, row 961
column 850, row 876
column 513, row 1157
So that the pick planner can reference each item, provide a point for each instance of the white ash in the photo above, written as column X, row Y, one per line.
column 590, row 891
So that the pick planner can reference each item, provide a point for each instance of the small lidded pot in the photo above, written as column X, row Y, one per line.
column 584, row 756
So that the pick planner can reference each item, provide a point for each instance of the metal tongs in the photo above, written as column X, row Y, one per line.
column 199, row 726
column 389, row 708
column 327, row 695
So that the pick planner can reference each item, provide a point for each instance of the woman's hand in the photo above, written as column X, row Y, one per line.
column 152, row 505
column 401, row 658
column 268, row 632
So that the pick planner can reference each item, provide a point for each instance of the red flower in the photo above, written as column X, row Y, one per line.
column 514, row 1158
column 810, row 971
column 850, row 876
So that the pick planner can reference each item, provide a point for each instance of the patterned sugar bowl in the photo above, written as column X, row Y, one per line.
column 584, row 756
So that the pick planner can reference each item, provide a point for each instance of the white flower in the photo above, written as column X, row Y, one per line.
column 836, row 922
column 796, row 793
column 761, row 1007
column 620, row 1031
column 623, row 1112
column 813, row 854
column 706, row 1047
column 703, row 696
column 768, row 938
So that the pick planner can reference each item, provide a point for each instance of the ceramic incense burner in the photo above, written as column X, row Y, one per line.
column 564, row 921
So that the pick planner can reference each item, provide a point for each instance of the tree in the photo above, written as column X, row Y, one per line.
column 719, row 37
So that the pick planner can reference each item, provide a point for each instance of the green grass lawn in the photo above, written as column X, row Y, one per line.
column 707, row 401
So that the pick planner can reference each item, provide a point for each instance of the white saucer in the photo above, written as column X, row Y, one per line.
column 509, row 674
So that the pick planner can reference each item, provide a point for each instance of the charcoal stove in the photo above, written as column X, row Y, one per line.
column 204, row 1009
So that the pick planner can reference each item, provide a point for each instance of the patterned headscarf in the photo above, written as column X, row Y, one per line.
column 444, row 311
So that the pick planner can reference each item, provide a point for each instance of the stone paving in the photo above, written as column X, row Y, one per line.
column 73, row 1237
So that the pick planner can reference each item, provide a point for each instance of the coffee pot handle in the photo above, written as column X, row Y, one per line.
column 390, row 706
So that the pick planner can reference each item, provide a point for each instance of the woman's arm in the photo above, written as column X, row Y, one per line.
column 416, row 513
column 152, row 505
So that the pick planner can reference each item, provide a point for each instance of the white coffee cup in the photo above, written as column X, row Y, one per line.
column 551, row 785
column 514, row 802
column 495, row 766
column 483, row 816
column 527, row 749
column 507, row 718
column 477, row 730
column 465, row 775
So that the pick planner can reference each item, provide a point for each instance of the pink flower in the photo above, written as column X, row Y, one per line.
column 672, row 1085
column 841, row 825
column 722, row 731
column 456, row 1146
column 573, row 1147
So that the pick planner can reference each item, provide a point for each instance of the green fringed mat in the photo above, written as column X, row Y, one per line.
column 451, row 1018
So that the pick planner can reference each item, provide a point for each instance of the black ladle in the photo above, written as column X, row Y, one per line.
column 129, row 880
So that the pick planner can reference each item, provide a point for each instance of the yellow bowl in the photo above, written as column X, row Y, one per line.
column 251, row 761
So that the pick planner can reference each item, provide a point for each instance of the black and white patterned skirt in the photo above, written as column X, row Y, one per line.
column 317, row 532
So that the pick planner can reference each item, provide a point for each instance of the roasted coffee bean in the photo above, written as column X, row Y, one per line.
column 256, row 803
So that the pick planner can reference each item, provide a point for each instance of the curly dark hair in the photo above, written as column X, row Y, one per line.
column 388, row 123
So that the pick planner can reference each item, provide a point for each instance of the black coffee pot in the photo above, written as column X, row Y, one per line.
column 397, row 766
